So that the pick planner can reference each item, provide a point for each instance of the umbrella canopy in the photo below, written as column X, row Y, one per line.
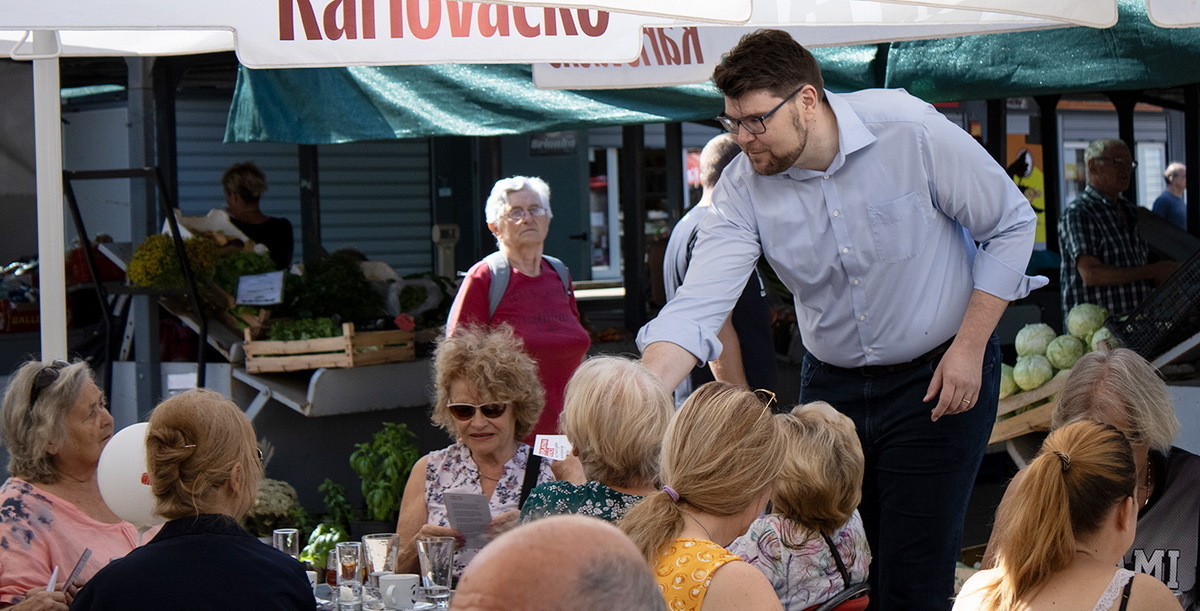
column 1134, row 54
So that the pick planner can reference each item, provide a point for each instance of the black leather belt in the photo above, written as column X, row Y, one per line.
column 875, row 371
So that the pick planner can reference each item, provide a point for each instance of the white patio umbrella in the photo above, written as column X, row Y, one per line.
column 1094, row 13
column 296, row 33
column 1173, row 13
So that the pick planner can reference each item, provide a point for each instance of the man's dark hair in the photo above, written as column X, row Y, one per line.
column 613, row 581
column 767, row 59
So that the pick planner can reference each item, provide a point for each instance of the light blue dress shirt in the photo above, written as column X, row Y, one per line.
column 879, row 250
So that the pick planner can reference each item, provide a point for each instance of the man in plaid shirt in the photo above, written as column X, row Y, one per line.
column 1104, row 260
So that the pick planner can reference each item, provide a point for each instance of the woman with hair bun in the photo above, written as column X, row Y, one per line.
column 720, row 458
column 204, row 468
column 1073, row 516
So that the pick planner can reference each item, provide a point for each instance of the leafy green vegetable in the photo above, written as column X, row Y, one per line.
column 334, row 287
column 1033, row 339
column 305, row 328
column 1064, row 350
column 1032, row 371
column 411, row 297
column 1084, row 319
column 1103, row 339
column 1007, row 385
column 237, row 264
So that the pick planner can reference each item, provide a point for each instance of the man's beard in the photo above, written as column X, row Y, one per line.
column 775, row 164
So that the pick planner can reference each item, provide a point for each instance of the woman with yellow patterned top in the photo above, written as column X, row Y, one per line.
column 719, row 459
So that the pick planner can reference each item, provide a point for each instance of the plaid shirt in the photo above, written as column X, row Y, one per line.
column 1095, row 225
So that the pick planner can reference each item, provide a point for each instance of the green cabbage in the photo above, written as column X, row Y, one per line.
column 1007, row 385
column 1033, row 339
column 1032, row 371
column 1064, row 350
column 1084, row 319
column 1103, row 339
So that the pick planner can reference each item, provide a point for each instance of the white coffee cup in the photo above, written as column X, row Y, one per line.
column 312, row 578
column 399, row 591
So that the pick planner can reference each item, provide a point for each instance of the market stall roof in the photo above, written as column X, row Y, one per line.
column 1134, row 54
column 332, row 105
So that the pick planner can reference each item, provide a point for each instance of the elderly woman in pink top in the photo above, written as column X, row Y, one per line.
column 55, row 425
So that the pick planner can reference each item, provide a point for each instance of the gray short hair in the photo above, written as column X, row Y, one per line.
column 1096, row 148
column 498, row 200
column 1119, row 388
column 612, row 581
column 28, row 429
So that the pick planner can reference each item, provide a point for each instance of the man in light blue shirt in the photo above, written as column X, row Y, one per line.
column 869, row 206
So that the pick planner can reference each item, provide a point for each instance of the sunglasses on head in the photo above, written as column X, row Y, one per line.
column 45, row 378
column 466, row 411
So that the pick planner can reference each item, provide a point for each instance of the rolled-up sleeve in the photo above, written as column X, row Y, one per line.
column 973, row 189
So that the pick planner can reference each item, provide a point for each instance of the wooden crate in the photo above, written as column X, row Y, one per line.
column 221, row 304
column 350, row 350
column 1036, row 419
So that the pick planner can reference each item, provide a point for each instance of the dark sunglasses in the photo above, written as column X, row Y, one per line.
column 45, row 378
column 767, row 397
column 466, row 411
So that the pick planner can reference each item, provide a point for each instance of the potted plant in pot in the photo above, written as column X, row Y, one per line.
column 383, row 464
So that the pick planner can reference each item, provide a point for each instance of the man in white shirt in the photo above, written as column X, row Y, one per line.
column 903, row 242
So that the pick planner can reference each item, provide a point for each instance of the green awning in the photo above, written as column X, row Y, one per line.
column 1134, row 54
column 331, row 105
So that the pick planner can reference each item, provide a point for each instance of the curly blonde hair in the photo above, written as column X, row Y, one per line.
column 493, row 361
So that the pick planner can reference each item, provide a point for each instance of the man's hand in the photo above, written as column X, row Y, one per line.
column 502, row 524
column 1159, row 272
column 958, row 377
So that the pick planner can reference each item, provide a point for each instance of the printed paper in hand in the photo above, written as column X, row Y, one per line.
column 260, row 289
column 554, row 447
column 469, row 514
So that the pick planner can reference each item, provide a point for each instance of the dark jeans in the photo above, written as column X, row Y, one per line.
column 918, row 476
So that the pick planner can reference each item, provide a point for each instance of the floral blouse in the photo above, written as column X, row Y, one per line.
column 807, row 574
column 453, row 470
column 39, row 530
column 590, row 499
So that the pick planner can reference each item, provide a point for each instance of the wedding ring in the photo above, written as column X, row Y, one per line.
column 967, row 401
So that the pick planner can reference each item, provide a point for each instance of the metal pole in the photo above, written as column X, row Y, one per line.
column 47, row 122
column 633, row 238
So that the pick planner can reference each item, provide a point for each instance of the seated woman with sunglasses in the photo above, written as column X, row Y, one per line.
column 614, row 415
column 488, row 398
column 55, row 426
column 812, row 546
column 204, row 467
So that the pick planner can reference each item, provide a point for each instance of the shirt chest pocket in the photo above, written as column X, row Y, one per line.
column 900, row 227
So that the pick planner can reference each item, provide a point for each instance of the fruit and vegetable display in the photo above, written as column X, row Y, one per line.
column 1042, row 354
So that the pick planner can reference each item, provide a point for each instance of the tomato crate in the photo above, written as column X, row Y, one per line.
column 352, row 349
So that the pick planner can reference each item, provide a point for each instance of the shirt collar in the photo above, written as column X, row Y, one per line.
column 852, row 136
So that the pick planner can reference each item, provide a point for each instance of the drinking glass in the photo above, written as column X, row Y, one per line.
column 286, row 540
column 437, row 559
column 379, row 552
column 349, row 557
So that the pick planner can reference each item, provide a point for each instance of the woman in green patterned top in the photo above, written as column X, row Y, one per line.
column 615, row 413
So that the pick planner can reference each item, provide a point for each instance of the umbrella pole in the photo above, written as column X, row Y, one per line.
column 48, row 143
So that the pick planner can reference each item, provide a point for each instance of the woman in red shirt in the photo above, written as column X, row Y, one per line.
column 541, row 310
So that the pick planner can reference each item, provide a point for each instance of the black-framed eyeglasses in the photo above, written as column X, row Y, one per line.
column 755, row 125
column 515, row 215
column 45, row 378
column 1124, row 163
column 466, row 411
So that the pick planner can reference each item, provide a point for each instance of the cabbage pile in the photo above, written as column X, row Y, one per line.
column 1041, row 352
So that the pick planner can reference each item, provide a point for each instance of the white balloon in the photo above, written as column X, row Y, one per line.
column 121, row 473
